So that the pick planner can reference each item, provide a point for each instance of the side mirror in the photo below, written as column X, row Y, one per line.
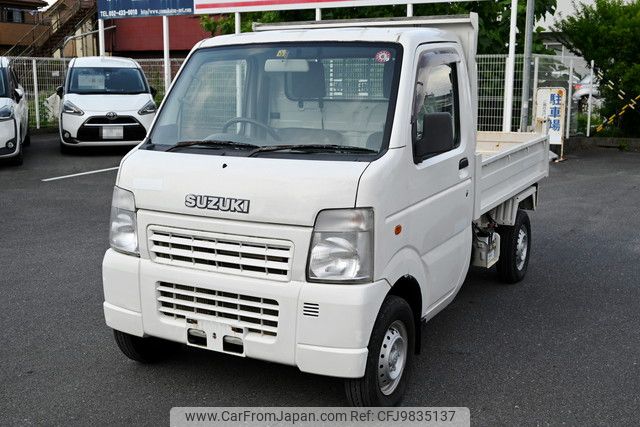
column 60, row 91
column 19, row 94
column 437, row 135
column 153, row 91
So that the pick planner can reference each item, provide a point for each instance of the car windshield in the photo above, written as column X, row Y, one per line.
column 87, row 80
column 337, row 98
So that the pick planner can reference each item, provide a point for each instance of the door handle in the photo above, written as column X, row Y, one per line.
column 464, row 162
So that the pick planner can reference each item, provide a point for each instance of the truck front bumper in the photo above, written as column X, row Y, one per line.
column 320, row 328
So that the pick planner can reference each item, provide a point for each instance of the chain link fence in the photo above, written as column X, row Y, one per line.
column 41, row 76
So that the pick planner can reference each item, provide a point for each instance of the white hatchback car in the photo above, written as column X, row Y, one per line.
column 14, row 115
column 105, row 101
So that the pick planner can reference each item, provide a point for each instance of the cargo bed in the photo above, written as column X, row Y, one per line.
column 506, row 165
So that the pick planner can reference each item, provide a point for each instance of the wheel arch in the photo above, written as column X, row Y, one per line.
column 408, row 288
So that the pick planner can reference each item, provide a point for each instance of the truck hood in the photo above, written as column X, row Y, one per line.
column 106, row 103
column 284, row 191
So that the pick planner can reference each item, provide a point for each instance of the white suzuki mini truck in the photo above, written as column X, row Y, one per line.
column 105, row 101
column 310, row 196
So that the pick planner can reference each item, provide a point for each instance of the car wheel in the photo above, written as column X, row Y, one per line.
column 389, row 360
column 144, row 349
column 515, row 249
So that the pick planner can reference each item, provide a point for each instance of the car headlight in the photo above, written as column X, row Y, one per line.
column 69, row 107
column 149, row 108
column 123, row 235
column 342, row 247
column 6, row 112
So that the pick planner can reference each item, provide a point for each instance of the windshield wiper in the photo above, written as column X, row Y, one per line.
column 334, row 148
column 215, row 143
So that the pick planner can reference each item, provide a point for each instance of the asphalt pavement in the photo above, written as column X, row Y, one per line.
column 563, row 346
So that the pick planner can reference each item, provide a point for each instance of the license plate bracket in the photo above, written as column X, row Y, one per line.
column 214, row 332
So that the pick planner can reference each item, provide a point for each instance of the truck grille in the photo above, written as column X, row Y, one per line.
column 223, row 253
column 256, row 314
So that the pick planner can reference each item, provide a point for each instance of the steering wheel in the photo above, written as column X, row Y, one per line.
column 271, row 131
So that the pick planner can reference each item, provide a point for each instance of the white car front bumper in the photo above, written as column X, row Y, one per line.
column 86, row 130
column 8, row 132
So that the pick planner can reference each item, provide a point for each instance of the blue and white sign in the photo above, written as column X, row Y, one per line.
column 550, row 107
column 112, row 9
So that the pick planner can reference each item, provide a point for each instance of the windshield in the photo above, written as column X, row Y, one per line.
column 85, row 80
column 326, row 95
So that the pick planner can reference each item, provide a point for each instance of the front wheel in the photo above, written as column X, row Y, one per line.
column 390, row 355
column 515, row 249
column 143, row 350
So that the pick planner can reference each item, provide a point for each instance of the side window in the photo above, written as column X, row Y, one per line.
column 436, row 91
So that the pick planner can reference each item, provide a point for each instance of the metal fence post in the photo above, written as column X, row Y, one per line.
column 590, row 100
column 569, row 99
column 35, row 93
column 536, row 67
column 510, row 70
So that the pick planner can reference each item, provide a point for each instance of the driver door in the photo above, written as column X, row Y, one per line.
column 442, row 180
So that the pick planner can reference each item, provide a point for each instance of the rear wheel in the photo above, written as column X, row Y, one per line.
column 390, row 355
column 515, row 249
column 144, row 350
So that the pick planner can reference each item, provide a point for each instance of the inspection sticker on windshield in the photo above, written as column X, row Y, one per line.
column 282, row 53
column 383, row 56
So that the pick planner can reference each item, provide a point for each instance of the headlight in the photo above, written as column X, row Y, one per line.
column 123, row 235
column 69, row 108
column 6, row 112
column 149, row 108
column 342, row 246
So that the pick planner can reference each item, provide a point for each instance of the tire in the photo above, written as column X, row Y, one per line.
column 515, row 249
column 144, row 350
column 395, row 324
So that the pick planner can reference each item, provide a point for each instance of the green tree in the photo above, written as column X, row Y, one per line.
column 607, row 32
column 494, row 18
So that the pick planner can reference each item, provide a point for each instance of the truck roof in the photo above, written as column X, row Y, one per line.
column 104, row 61
column 404, row 35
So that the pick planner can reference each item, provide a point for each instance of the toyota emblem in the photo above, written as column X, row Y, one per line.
column 111, row 115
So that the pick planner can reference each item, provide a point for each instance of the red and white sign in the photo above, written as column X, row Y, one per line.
column 228, row 6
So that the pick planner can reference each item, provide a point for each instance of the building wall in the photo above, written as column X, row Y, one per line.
column 142, row 37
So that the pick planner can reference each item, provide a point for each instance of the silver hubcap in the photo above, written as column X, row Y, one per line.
column 392, row 358
column 522, row 248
